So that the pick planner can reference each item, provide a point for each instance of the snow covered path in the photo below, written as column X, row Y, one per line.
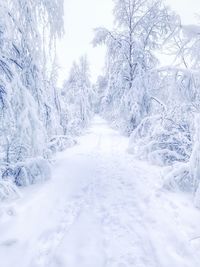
column 103, row 208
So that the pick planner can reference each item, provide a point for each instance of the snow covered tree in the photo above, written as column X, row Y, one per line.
column 77, row 97
column 170, row 136
column 26, row 96
column 100, row 90
column 141, row 27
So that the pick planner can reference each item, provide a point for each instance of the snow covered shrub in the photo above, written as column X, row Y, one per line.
column 195, row 156
column 197, row 198
column 8, row 190
column 186, row 176
column 195, row 161
column 161, row 141
column 61, row 142
column 75, row 126
column 179, row 178
column 29, row 172
column 32, row 171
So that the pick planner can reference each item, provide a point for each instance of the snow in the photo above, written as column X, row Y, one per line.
column 191, row 30
column 8, row 190
column 101, row 208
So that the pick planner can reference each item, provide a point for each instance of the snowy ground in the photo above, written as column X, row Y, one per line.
column 103, row 208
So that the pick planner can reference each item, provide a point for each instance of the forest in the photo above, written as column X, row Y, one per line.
column 139, row 122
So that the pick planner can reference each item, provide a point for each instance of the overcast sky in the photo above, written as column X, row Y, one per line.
column 82, row 16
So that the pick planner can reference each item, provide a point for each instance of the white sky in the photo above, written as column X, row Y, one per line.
column 82, row 16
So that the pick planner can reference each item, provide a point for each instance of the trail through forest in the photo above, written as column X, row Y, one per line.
column 102, row 208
